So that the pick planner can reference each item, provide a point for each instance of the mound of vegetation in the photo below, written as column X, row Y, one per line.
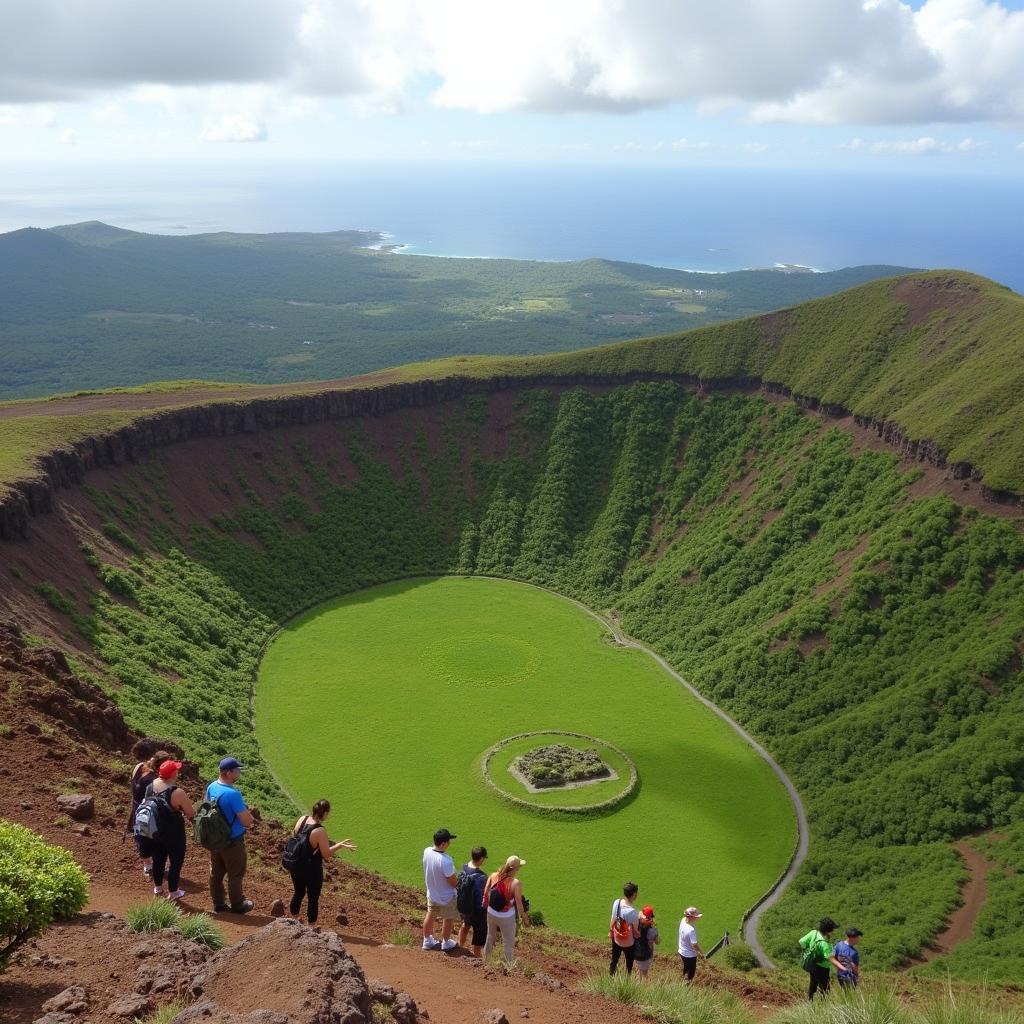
column 557, row 764
column 39, row 884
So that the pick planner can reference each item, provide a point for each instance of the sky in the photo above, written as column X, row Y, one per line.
column 935, row 84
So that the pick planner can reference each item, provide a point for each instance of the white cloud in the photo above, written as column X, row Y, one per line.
column 235, row 128
column 688, row 145
column 840, row 61
column 68, row 137
column 756, row 147
column 1020, row 147
column 926, row 145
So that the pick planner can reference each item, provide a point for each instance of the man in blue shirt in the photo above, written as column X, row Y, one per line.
column 846, row 953
column 231, row 860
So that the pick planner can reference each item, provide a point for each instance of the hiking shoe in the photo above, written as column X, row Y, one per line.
column 221, row 908
column 246, row 906
column 173, row 897
column 147, row 869
column 158, row 890
column 448, row 945
column 431, row 943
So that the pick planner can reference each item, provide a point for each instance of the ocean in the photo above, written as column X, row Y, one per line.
column 707, row 220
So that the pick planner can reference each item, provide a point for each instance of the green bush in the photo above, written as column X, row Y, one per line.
column 39, row 883
column 202, row 929
column 153, row 916
column 739, row 957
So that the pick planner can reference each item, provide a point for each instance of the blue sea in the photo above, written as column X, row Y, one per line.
column 707, row 220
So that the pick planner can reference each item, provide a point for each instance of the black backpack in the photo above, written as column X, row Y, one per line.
column 644, row 951
column 297, row 851
column 497, row 900
column 465, row 891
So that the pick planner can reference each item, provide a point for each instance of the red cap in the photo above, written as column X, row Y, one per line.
column 168, row 768
column 648, row 911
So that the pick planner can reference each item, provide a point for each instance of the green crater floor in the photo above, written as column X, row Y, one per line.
column 384, row 701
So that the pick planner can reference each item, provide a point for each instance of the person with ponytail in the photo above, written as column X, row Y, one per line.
column 308, row 874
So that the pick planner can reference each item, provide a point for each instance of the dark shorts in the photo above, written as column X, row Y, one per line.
column 478, row 922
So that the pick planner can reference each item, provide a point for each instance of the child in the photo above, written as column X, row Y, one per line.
column 646, row 942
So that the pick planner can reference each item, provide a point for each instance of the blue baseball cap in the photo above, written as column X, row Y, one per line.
column 229, row 764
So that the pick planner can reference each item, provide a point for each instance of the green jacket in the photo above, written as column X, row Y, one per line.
column 816, row 941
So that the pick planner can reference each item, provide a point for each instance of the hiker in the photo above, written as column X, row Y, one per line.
column 231, row 859
column 311, row 852
column 817, row 955
column 623, row 928
column 469, row 897
column 647, row 939
column 689, row 947
column 168, row 846
column 847, row 954
column 441, row 882
column 144, row 774
column 503, row 898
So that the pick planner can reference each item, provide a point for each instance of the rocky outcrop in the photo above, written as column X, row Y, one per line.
column 45, row 682
column 68, row 466
column 288, row 973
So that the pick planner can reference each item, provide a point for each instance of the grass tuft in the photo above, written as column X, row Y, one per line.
column 202, row 929
column 670, row 1002
column 153, row 916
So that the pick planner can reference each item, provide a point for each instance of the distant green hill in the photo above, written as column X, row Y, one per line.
column 90, row 306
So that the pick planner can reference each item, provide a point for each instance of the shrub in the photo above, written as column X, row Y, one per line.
column 739, row 957
column 202, row 929
column 153, row 916
column 39, row 883
column 536, row 918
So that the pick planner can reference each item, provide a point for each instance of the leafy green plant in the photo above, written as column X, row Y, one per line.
column 39, row 884
column 738, row 956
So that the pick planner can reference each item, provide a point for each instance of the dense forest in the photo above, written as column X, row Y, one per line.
column 91, row 306
column 870, row 638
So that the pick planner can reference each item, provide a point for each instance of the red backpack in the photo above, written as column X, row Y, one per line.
column 622, row 930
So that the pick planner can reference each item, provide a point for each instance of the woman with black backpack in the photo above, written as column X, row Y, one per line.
column 168, row 845
column 304, row 857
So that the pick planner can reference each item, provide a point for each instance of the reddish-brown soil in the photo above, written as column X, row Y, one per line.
column 925, row 296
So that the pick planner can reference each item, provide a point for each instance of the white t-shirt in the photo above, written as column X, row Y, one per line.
column 438, row 867
column 687, row 937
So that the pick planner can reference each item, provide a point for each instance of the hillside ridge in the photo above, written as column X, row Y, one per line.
column 136, row 422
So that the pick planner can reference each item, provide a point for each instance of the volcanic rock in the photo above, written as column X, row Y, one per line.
column 79, row 806
column 404, row 1009
column 277, row 908
column 72, row 1000
column 290, row 970
column 494, row 1016
column 131, row 1006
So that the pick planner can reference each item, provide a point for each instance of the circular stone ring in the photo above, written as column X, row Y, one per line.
column 596, row 797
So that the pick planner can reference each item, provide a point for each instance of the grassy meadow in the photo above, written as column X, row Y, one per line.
column 354, row 703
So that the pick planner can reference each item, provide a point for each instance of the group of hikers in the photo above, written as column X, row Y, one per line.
column 488, row 907
column 160, row 808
